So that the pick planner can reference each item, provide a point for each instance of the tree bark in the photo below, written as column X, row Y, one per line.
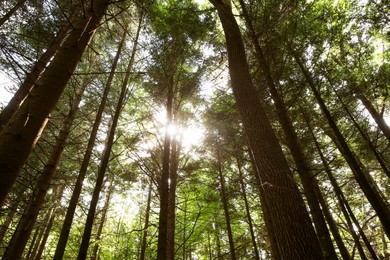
column 26, row 223
column 281, row 195
column 307, row 177
column 30, row 79
column 83, row 250
column 20, row 135
column 65, row 230
column 363, row 178
column 11, row 12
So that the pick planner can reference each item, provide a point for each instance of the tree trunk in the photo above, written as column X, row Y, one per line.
column 20, row 135
column 363, row 178
column 162, row 246
column 375, row 115
column 11, row 12
column 307, row 177
column 345, row 208
column 146, row 226
column 30, row 79
column 106, row 154
column 364, row 136
column 247, row 210
column 65, row 230
column 225, row 204
column 281, row 195
column 26, row 223
column 174, row 163
column 102, row 221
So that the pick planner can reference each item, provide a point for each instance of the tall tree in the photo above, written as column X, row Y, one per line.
column 276, row 183
column 20, row 135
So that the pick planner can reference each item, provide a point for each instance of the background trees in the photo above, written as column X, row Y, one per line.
column 318, row 72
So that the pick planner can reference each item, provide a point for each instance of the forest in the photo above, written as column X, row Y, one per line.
column 194, row 129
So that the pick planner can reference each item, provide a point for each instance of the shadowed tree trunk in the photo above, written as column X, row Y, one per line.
column 146, row 226
column 102, row 221
column 280, row 193
column 21, row 133
column 174, row 163
column 11, row 11
column 225, row 204
column 26, row 223
column 345, row 208
column 65, row 230
column 30, row 79
column 106, row 153
column 247, row 210
column 307, row 177
column 363, row 178
column 375, row 115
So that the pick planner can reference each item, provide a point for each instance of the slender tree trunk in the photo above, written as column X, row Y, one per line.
column 33, row 248
column 225, row 204
column 247, row 210
column 21, row 133
column 12, row 209
column 363, row 178
column 174, row 163
column 102, row 221
column 363, row 134
column 52, row 213
column 146, row 226
column 162, row 246
column 375, row 115
column 345, row 208
column 283, row 200
column 106, row 154
column 307, row 177
column 65, row 230
column 11, row 11
column 26, row 223
column 30, row 79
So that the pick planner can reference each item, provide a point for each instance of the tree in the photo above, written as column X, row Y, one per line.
column 20, row 135
column 287, row 207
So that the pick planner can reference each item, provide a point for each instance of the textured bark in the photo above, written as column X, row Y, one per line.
column 247, row 210
column 65, row 230
column 21, row 133
column 26, row 223
column 28, row 83
column 295, row 236
column 307, row 177
column 11, row 12
column 106, row 154
column 363, row 178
